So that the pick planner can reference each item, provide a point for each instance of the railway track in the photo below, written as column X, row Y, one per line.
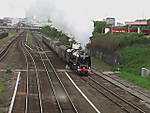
column 39, row 89
column 28, row 95
column 140, row 96
column 113, row 96
column 83, row 104
column 20, row 94
column 144, row 98
column 119, row 106
column 3, row 54
column 62, row 97
column 5, row 50
column 130, row 90
column 34, row 101
column 118, row 100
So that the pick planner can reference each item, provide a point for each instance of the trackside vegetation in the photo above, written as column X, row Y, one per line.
column 56, row 34
column 113, row 42
column 2, row 88
column 6, row 39
column 29, row 39
column 4, row 76
column 134, row 50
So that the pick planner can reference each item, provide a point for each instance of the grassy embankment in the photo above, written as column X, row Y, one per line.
column 5, row 75
column 5, row 40
column 30, row 40
column 135, row 53
column 2, row 88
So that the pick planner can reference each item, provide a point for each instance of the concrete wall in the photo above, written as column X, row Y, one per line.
column 145, row 72
column 108, row 57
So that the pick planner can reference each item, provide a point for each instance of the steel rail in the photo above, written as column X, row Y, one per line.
column 54, row 91
column 113, row 93
column 147, row 96
column 14, row 94
column 27, row 81
column 85, row 97
column 37, row 78
column 17, row 83
column 4, row 52
column 58, row 78
column 118, row 104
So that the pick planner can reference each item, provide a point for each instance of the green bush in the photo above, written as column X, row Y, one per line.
column 138, row 80
column 113, row 42
column 127, row 72
column 56, row 34
column 8, row 71
column 135, row 58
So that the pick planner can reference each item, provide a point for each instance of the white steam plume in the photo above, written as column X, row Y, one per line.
column 74, row 16
column 71, row 16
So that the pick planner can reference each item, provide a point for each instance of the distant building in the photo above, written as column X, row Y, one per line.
column 120, row 24
column 7, row 21
column 110, row 21
column 132, row 27
column 137, row 23
column 1, row 22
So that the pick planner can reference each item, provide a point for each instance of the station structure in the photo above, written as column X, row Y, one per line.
column 129, row 29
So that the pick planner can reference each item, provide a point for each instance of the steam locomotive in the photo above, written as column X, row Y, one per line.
column 76, row 59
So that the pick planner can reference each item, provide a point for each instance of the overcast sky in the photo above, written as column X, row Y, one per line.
column 121, row 9
column 75, row 16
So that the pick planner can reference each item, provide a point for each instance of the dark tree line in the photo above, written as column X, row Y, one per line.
column 54, row 33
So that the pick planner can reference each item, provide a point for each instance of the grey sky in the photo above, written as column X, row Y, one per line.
column 121, row 9
column 75, row 16
column 14, row 8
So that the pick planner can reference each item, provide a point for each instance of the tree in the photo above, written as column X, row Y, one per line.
column 1, row 21
column 53, row 32
column 99, row 26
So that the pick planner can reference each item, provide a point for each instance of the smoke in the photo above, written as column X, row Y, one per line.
column 75, row 17
column 70, row 16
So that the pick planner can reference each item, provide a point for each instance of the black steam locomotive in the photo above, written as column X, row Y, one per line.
column 77, row 59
